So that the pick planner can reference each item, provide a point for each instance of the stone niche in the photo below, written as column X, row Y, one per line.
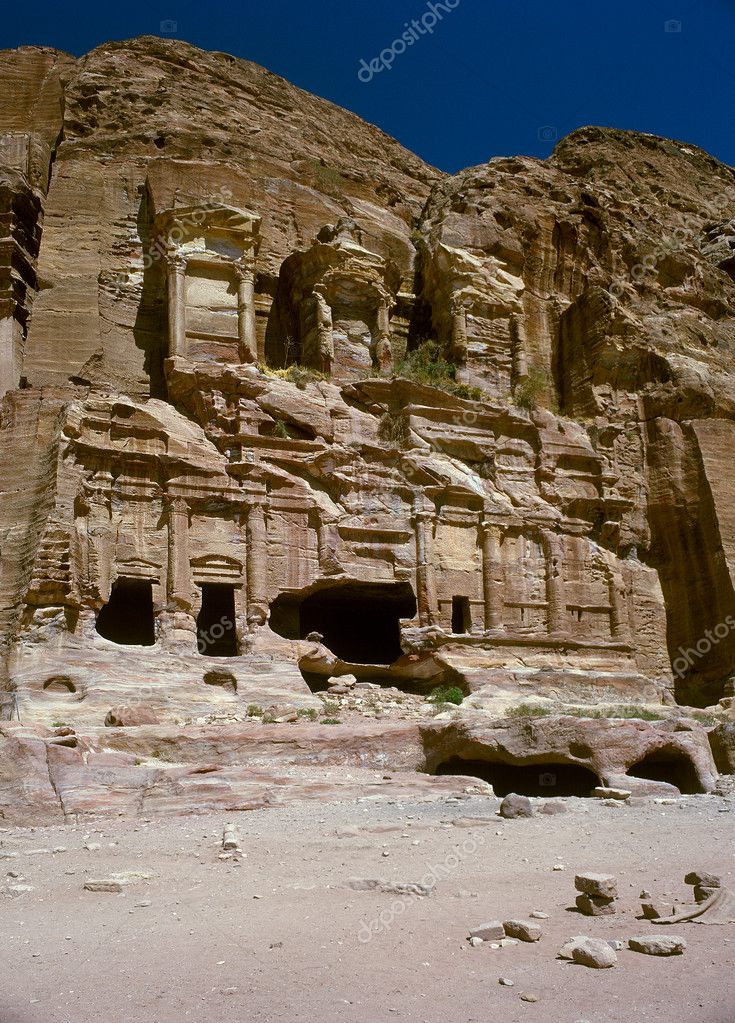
column 477, row 313
column 210, row 254
column 333, row 307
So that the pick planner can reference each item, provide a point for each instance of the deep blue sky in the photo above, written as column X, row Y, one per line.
column 487, row 82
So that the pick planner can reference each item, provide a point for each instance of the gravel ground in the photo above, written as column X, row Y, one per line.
column 278, row 935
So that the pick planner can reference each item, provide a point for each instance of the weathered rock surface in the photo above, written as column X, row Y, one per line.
column 655, row 946
column 284, row 405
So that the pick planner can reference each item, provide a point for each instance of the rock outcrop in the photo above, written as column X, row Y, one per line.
column 283, row 403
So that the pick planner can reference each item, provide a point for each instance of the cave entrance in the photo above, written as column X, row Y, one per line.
column 461, row 615
column 216, row 633
column 544, row 779
column 127, row 617
column 674, row 768
column 360, row 622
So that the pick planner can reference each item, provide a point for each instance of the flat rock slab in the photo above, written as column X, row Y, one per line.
column 376, row 884
column 492, row 931
column 601, row 886
column 650, row 946
column 524, row 930
column 593, row 952
column 591, row 905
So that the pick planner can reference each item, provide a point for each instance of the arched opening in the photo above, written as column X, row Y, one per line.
column 545, row 779
column 223, row 679
column 216, row 632
column 59, row 683
column 360, row 622
column 127, row 617
column 668, row 766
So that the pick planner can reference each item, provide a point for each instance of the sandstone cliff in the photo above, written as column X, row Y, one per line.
column 282, row 402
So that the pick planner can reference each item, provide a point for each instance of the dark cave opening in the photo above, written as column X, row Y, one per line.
column 546, row 779
column 461, row 615
column 216, row 633
column 127, row 617
column 360, row 622
column 667, row 766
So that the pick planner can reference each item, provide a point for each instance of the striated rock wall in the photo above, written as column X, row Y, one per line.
column 283, row 402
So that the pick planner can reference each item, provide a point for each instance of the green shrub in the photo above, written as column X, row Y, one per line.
column 254, row 711
column 426, row 364
column 331, row 721
column 307, row 712
column 279, row 430
column 60, row 724
column 527, row 710
column 528, row 393
column 295, row 374
column 394, row 429
column 446, row 694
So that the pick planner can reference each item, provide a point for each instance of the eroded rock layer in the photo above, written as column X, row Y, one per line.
column 283, row 403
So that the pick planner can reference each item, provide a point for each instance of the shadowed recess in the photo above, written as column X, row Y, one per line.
column 216, row 634
column 667, row 766
column 127, row 618
column 360, row 622
column 525, row 779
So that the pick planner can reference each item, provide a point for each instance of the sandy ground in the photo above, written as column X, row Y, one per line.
column 279, row 936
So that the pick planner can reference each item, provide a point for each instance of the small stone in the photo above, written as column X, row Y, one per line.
column 604, row 792
column 515, row 806
column 552, row 808
column 701, row 894
column 602, row 886
column 538, row 915
column 702, row 878
column 616, row 945
column 508, row 942
column 650, row 946
column 558, row 866
column 143, row 904
column 475, row 942
column 506, row 982
column 92, row 846
column 654, row 911
column 592, row 906
column 492, row 931
column 595, row 953
column 526, row 997
column 645, row 894
column 103, row 885
column 522, row 930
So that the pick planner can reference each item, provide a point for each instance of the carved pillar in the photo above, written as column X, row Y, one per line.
column 492, row 577
column 518, row 341
column 383, row 348
column 325, row 333
column 618, row 606
column 553, row 545
column 423, row 519
column 246, row 329
column 257, row 566
column 176, row 274
column 459, row 331
column 327, row 547
column 178, row 583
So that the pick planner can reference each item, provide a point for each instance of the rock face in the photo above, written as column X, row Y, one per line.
column 283, row 404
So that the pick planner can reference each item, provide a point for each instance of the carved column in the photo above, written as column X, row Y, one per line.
column 246, row 329
column 518, row 348
column 383, row 348
column 553, row 545
column 257, row 566
column 459, row 331
column 423, row 519
column 176, row 279
column 325, row 333
column 178, row 585
column 492, row 577
column 618, row 606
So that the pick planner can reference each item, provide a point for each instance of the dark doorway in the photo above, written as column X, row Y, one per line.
column 461, row 615
column 673, row 768
column 216, row 633
column 360, row 622
column 127, row 617
column 526, row 779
